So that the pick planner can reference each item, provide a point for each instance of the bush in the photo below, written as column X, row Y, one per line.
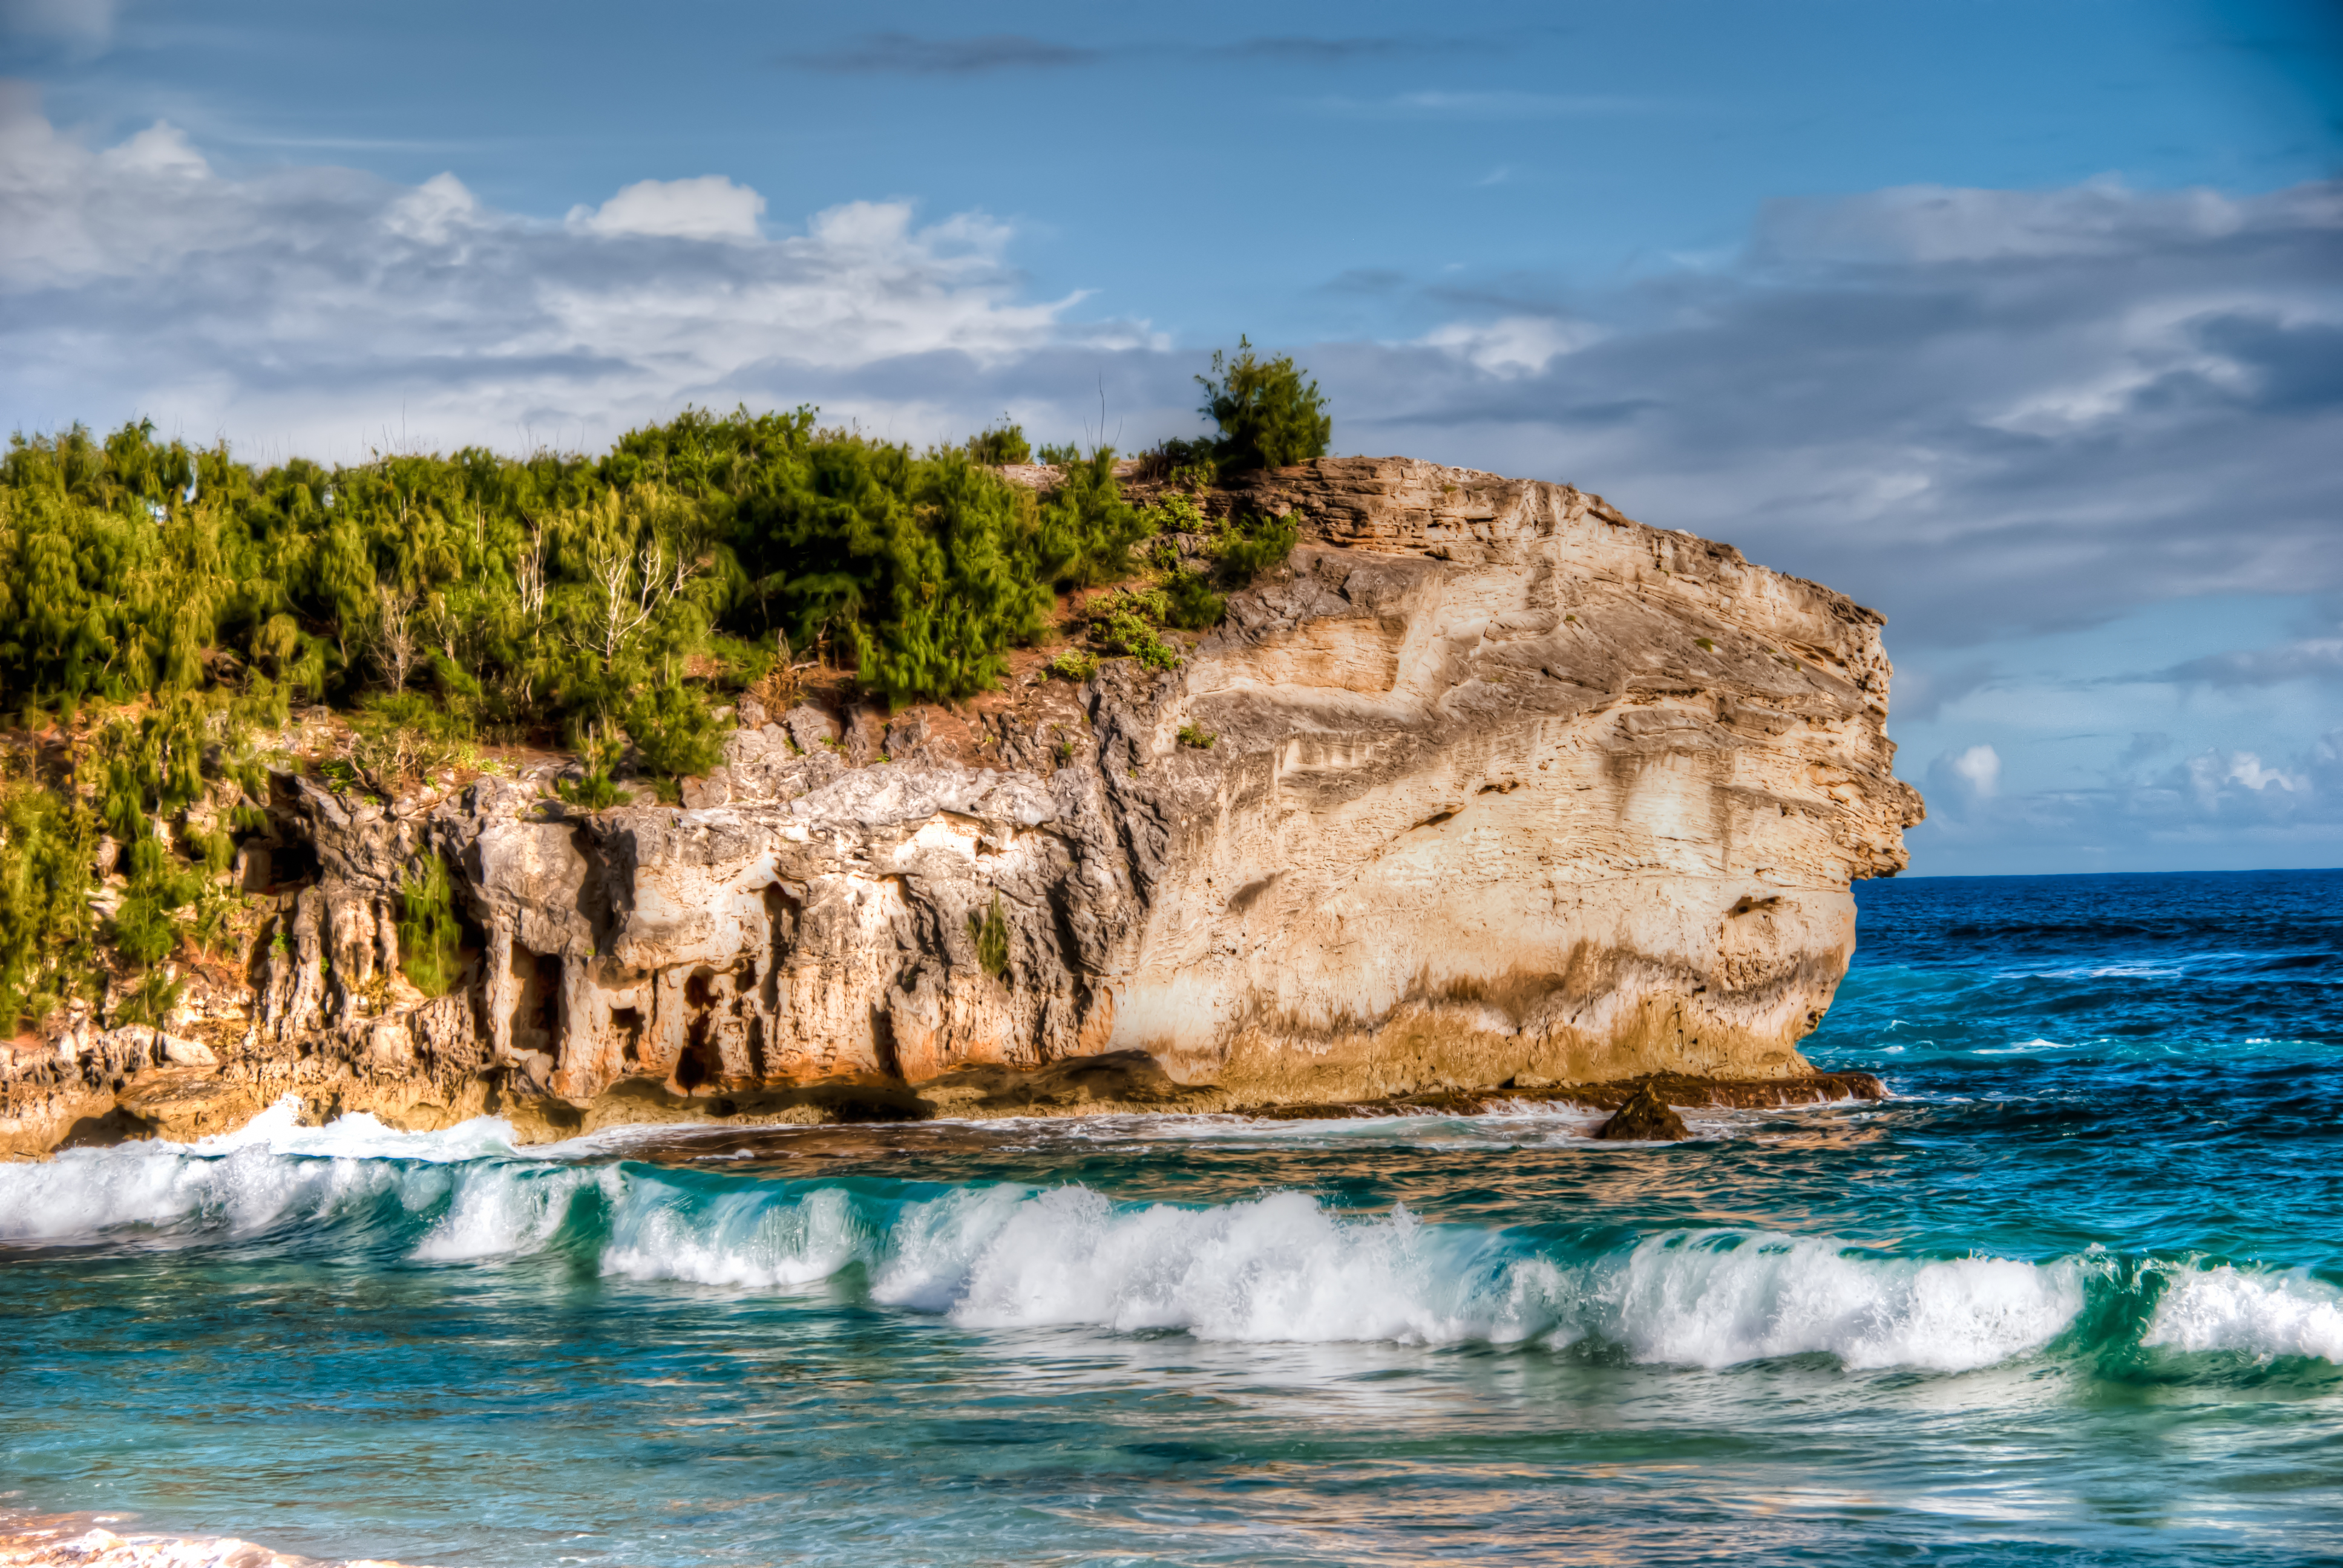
column 674, row 731
column 1074, row 665
column 1197, row 736
column 1128, row 621
column 1189, row 601
column 598, row 754
column 1000, row 444
column 1088, row 530
column 1245, row 549
column 1269, row 416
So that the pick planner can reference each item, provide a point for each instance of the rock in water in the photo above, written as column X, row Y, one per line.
column 1503, row 786
column 1644, row 1119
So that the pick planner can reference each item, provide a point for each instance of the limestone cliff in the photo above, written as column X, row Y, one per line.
column 1489, row 782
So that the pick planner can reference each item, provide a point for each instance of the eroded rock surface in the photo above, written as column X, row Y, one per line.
column 1496, row 784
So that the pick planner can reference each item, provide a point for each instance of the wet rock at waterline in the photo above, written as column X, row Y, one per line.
column 1644, row 1119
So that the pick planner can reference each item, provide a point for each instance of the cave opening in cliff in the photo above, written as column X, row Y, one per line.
column 698, row 1064
column 626, row 1023
column 537, row 1009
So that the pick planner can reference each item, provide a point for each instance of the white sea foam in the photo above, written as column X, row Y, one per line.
column 1281, row 1267
column 742, row 1239
column 269, row 1170
column 2224, row 1309
column 1712, row 1299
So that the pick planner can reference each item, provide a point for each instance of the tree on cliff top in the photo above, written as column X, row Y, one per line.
column 1268, row 415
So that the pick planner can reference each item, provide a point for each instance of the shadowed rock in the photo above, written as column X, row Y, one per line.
column 1645, row 1118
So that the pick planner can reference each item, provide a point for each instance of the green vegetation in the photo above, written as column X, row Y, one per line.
column 163, row 604
column 991, row 935
column 1000, row 444
column 1197, row 736
column 527, row 597
column 1131, row 621
column 430, row 939
column 47, row 935
column 1269, row 416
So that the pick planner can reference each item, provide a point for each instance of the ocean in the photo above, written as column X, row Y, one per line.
column 2074, row 1294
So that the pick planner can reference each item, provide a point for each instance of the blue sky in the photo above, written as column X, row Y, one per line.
column 2023, row 323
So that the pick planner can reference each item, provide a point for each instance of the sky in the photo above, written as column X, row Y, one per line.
column 2022, row 323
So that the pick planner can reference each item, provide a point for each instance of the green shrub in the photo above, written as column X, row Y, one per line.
column 1087, row 528
column 598, row 754
column 1000, row 443
column 1197, row 736
column 674, row 731
column 1269, row 416
column 1189, row 601
column 1246, row 548
column 149, row 1001
column 1074, row 665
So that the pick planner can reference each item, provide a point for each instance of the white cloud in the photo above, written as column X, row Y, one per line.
column 2246, row 768
column 1512, row 345
column 308, row 309
column 1979, row 768
column 709, row 208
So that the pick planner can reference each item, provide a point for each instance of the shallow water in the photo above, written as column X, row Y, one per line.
column 2074, row 1295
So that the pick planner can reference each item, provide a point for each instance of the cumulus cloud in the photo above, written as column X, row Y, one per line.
column 2211, row 809
column 306, row 309
column 1978, row 767
column 709, row 208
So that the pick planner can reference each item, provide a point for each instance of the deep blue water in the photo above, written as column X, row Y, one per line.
column 2074, row 1295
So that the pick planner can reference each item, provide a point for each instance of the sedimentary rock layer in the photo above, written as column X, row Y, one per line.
column 1488, row 782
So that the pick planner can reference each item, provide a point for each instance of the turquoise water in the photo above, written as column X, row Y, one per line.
column 2074, row 1295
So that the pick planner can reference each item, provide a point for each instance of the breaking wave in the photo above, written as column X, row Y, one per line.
column 1281, row 1267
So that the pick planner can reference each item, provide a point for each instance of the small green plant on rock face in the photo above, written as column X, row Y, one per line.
column 1129, row 621
column 430, row 940
column 1074, row 665
column 598, row 752
column 1197, row 736
column 149, row 1001
column 1704, row 644
column 991, row 935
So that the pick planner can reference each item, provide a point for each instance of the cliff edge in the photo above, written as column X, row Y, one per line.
column 1487, row 783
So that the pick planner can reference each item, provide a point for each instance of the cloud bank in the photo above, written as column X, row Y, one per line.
column 309, row 309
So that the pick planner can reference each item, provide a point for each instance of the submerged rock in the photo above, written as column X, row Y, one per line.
column 1503, row 786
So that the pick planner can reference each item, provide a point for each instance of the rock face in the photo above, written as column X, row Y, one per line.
column 1488, row 782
